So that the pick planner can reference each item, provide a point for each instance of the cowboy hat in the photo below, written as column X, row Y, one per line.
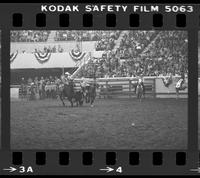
column 67, row 73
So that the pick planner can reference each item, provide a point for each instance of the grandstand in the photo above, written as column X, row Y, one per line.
column 159, row 53
column 113, row 53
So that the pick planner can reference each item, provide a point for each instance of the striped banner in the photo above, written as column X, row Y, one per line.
column 13, row 56
column 42, row 57
column 76, row 55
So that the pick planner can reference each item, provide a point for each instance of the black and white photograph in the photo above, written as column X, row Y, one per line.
column 97, row 89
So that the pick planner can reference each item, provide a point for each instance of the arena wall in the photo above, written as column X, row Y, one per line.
column 154, row 87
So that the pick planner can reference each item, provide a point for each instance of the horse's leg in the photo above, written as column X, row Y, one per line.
column 136, row 89
column 70, row 100
column 87, row 98
column 143, row 92
column 177, row 93
column 40, row 95
column 92, row 101
column 80, row 101
column 62, row 99
column 92, row 97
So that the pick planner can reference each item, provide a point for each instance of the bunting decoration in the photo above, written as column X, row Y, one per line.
column 42, row 57
column 13, row 56
column 76, row 55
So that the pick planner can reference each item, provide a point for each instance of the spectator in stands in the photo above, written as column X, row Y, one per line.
column 29, row 36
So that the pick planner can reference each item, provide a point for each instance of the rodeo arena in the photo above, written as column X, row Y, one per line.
column 99, row 89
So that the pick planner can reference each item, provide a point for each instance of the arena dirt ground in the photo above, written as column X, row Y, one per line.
column 110, row 124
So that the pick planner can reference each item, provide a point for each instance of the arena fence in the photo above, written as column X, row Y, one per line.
column 124, row 87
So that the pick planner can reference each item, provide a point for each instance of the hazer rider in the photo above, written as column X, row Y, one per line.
column 181, row 81
column 141, row 82
column 84, row 85
column 66, row 78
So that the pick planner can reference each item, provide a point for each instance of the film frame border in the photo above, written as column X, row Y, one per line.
column 145, row 156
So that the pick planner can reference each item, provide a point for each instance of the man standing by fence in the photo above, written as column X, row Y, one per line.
column 23, row 88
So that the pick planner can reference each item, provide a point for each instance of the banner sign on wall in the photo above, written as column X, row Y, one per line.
column 161, row 89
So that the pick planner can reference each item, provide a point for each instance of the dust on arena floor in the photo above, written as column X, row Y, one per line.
column 110, row 124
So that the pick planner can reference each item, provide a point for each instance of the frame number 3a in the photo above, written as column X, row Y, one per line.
column 23, row 169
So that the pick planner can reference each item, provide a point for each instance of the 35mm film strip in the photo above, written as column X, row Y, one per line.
column 99, row 89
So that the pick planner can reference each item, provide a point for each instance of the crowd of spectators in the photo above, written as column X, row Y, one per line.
column 29, row 36
column 51, row 49
column 45, row 87
column 37, row 80
column 166, row 53
column 134, row 43
column 82, row 35
column 149, row 53
column 105, row 39
column 74, row 35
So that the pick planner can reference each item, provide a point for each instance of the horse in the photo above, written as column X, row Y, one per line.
column 86, row 93
column 67, row 90
column 180, row 86
column 90, row 93
column 139, row 91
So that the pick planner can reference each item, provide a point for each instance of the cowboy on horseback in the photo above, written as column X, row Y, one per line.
column 180, row 85
column 66, row 78
column 180, row 82
column 141, row 81
column 66, row 88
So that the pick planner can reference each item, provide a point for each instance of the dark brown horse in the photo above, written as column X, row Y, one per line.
column 67, row 91
column 90, row 93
